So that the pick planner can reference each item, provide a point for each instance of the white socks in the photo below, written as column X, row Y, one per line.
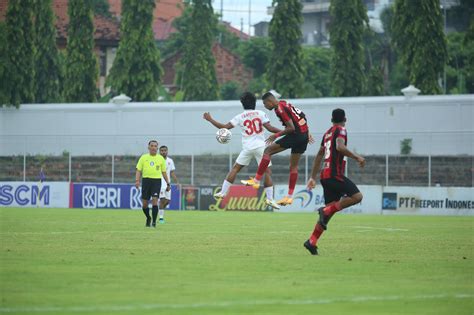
column 269, row 192
column 161, row 213
column 225, row 187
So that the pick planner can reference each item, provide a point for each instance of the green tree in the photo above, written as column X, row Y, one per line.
column 285, row 69
column 231, row 90
column 198, row 77
column 317, row 71
column 4, row 64
column 375, row 84
column 81, row 62
column 101, row 7
column 255, row 54
column 468, row 44
column 48, row 70
column 417, row 32
column 349, row 20
column 20, row 51
column 136, row 70
column 458, row 73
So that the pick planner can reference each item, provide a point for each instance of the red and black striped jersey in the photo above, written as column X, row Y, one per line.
column 334, row 163
column 285, row 111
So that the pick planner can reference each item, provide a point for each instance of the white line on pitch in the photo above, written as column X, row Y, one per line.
column 224, row 304
column 379, row 228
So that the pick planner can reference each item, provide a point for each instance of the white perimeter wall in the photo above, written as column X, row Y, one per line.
column 437, row 125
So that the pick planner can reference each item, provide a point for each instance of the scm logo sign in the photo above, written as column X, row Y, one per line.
column 24, row 195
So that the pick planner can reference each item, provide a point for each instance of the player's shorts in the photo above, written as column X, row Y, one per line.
column 165, row 194
column 246, row 156
column 335, row 189
column 298, row 142
column 151, row 187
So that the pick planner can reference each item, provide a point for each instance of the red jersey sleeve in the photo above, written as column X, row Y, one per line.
column 280, row 111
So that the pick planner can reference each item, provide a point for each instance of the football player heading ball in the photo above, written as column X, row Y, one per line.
column 251, row 123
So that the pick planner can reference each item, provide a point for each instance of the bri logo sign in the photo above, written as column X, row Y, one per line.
column 93, row 196
column 100, row 197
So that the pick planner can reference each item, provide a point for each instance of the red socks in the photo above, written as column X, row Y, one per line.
column 332, row 208
column 329, row 210
column 318, row 230
column 292, row 181
column 262, row 167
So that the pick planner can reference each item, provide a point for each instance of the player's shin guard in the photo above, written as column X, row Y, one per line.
column 154, row 212
column 292, row 182
column 161, row 213
column 146, row 211
column 262, row 167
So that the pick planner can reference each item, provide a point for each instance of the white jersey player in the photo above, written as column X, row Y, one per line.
column 251, row 123
column 165, row 196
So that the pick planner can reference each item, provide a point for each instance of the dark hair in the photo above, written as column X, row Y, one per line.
column 248, row 100
column 163, row 147
column 151, row 141
column 338, row 115
column 266, row 95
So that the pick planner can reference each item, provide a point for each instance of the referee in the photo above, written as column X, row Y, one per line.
column 151, row 167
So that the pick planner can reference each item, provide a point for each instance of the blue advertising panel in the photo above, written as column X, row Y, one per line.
column 113, row 196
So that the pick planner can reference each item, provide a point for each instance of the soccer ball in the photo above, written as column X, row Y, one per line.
column 223, row 135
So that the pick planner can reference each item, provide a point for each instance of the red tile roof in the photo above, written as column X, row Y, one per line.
column 163, row 15
column 228, row 67
column 235, row 31
column 106, row 29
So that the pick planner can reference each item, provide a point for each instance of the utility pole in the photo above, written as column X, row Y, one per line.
column 222, row 10
column 250, row 12
column 241, row 28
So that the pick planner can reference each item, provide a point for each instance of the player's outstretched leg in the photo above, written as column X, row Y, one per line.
column 228, row 181
column 263, row 165
column 294, row 160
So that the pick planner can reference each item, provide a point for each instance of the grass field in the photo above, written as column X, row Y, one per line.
column 63, row 261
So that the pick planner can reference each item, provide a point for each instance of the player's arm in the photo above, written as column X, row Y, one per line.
column 167, row 180
column 208, row 117
column 138, row 175
column 173, row 175
column 271, row 128
column 316, row 167
column 341, row 147
column 289, row 128
column 138, row 172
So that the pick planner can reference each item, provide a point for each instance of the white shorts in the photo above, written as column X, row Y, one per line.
column 165, row 194
column 246, row 156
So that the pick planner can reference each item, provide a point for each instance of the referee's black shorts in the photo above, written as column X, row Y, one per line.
column 298, row 142
column 335, row 189
column 151, row 187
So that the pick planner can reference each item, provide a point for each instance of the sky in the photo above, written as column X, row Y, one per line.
column 235, row 10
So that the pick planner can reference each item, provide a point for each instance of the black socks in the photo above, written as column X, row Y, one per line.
column 146, row 211
column 154, row 212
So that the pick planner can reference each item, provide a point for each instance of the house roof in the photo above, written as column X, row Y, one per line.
column 106, row 29
column 235, row 31
column 163, row 15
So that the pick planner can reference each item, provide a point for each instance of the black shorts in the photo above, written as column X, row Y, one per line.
column 151, row 187
column 298, row 142
column 335, row 189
